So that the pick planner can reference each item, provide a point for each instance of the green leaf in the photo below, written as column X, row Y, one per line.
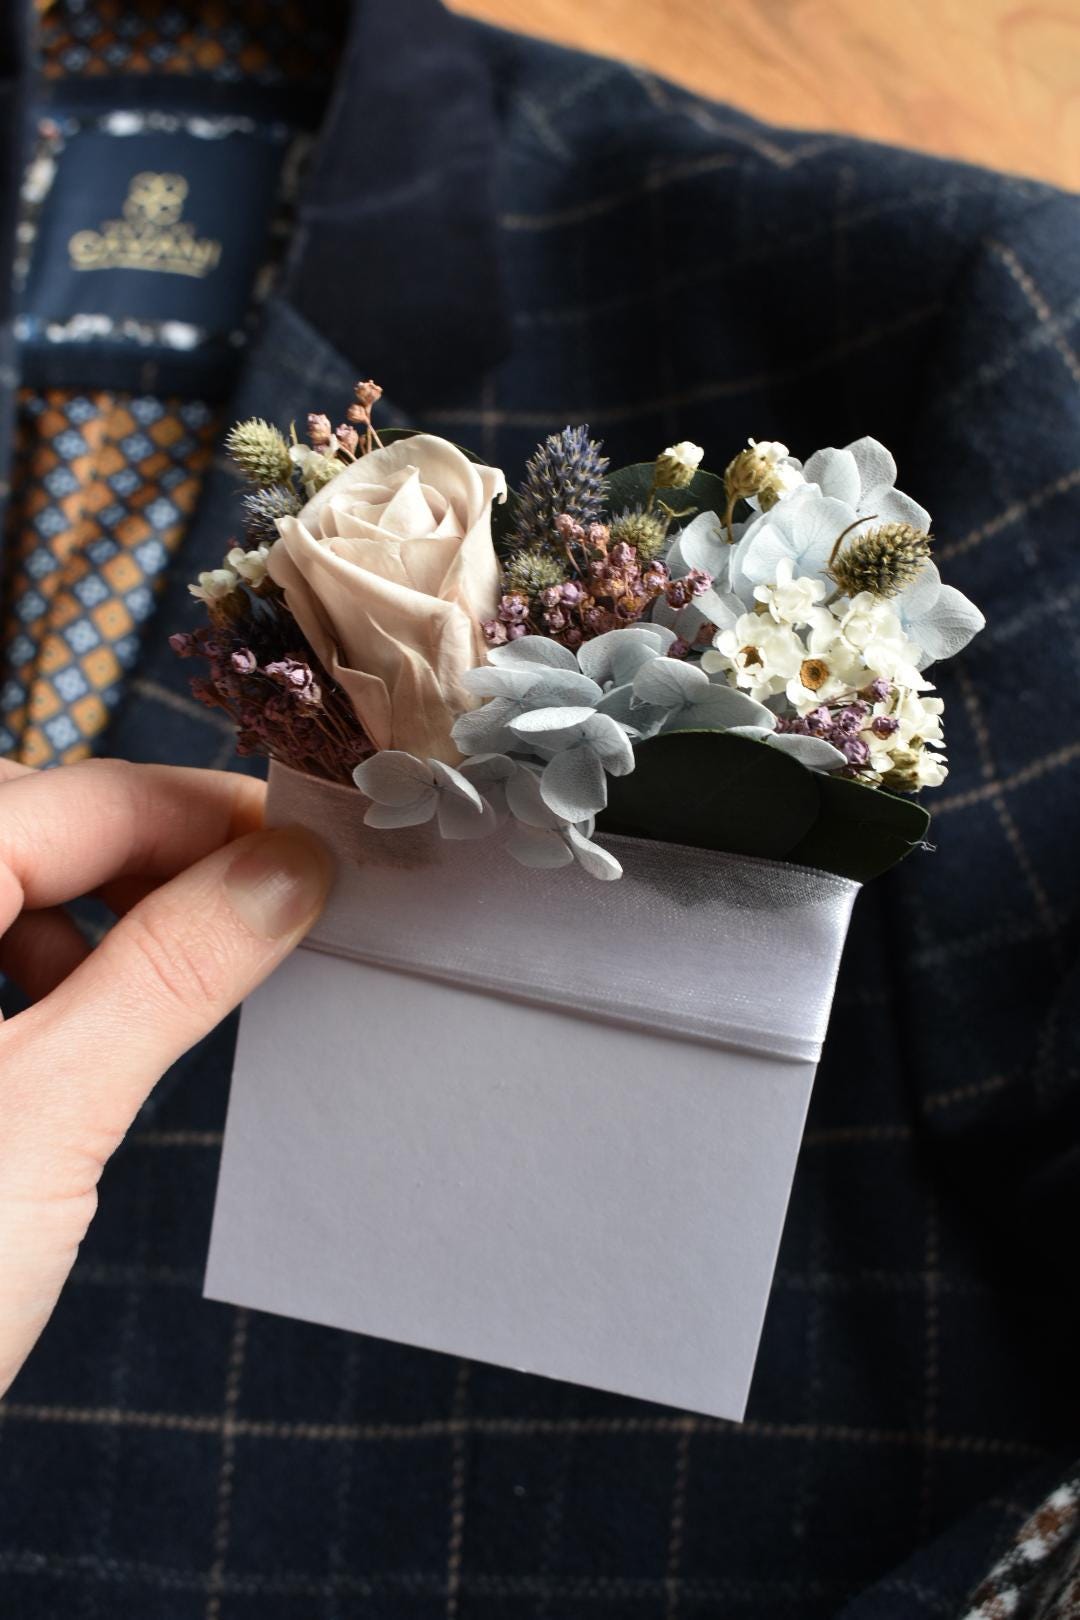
column 631, row 486
column 711, row 790
column 714, row 791
column 860, row 831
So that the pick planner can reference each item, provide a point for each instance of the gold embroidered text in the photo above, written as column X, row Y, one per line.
column 151, row 235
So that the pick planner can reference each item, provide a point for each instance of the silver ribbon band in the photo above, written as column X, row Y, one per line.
column 723, row 949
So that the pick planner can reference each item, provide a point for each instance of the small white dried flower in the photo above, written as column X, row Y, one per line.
column 214, row 585
column 315, row 468
column 250, row 565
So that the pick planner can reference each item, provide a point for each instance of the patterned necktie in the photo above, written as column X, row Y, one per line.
column 105, row 485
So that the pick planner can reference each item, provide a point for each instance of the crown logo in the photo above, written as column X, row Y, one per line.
column 152, row 235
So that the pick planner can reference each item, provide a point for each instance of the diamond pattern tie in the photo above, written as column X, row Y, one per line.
column 105, row 485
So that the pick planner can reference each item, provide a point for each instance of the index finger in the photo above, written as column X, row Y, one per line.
column 66, row 832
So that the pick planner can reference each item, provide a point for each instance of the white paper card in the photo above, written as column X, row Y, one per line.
column 448, row 1167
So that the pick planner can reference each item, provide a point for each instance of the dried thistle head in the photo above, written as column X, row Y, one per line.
column 881, row 561
column 260, row 451
column 263, row 507
column 531, row 571
column 646, row 531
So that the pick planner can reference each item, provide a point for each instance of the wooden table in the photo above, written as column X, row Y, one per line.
column 992, row 81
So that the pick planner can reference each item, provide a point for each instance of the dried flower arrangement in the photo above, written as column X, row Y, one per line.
column 735, row 662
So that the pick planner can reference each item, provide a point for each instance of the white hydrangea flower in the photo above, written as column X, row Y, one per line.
column 214, row 585
column 250, row 565
column 870, row 627
column 791, row 599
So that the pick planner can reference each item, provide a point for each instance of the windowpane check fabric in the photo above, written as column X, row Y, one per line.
column 665, row 269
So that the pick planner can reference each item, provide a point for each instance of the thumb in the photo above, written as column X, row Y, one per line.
column 169, row 971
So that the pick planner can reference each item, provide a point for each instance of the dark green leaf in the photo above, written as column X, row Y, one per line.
column 861, row 831
column 714, row 791
column 630, row 486
column 711, row 790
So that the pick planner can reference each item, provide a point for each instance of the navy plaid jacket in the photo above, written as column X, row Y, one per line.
column 560, row 239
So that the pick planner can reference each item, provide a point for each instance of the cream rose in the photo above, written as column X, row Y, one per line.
column 389, row 570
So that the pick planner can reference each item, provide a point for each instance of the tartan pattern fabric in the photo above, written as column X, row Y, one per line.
column 105, row 485
column 671, row 270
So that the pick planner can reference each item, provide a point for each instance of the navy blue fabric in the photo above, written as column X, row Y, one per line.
column 668, row 269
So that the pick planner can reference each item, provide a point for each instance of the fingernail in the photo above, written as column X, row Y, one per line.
column 279, row 882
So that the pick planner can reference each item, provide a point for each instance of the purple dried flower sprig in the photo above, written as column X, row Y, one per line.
column 606, row 587
column 263, row 675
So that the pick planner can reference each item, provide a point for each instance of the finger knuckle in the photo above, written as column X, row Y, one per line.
column 175, row 962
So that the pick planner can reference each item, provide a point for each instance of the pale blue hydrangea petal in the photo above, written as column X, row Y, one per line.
column 836, row 473
column 893, row 506
column 561, row 688
column 527, row 650
column 804, row 528
column 948, row 626
column 574, row 784
column 458, row 819
column 486, row 730
column 451, row 783
column 488, row 770
column 669, row 683
column 918, row 598
column 524, row 800
column 592, row 858
column 538, row 847
column 391, row 777
column 722, row 707
column 402, row 815
column 702, row 544
column 621, row 705
column 609, row 742
column 489, row 774
column 875, row 464
column 555, row 727
column 487, row 680
column 617, row 653
column 813, row 752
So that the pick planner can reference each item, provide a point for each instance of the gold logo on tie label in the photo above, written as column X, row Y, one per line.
column 151, row 236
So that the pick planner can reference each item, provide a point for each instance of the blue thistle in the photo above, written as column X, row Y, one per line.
column 263, row 507
column 565, row 475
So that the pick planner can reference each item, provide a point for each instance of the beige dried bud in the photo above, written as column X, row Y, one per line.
column 881, row 561
column 903, row 773
column 260, row 451
column 675, row 467
column 367, row 394
column 747, row 474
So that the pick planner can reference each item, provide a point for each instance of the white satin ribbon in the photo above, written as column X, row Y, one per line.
column 725, row 949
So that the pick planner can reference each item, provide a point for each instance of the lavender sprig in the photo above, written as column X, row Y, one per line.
column 564, row 477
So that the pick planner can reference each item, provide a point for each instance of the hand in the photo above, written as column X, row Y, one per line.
column 208, row 906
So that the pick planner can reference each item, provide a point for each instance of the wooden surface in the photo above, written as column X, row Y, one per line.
column 992, row 81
